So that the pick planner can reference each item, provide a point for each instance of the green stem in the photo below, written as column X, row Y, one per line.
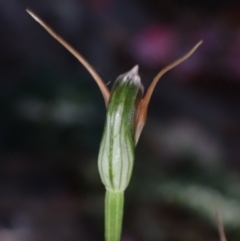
column 113, row 215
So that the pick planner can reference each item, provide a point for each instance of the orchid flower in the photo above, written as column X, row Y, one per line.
column 127, row 107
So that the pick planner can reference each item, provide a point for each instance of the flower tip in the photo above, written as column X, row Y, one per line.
column 133, row 76
column 134, row 70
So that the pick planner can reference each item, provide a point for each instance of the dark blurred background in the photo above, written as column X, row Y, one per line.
column 52, row 115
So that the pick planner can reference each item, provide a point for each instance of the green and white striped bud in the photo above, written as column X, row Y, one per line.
column 116, row 155
column 126, row 117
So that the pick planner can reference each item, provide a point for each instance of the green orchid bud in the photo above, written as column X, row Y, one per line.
column 126, row 117
column 116, row 155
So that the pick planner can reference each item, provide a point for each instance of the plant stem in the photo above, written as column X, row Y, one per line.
column 114, row 202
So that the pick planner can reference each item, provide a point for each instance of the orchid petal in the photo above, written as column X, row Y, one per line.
column 75, row 53
column 141, row 119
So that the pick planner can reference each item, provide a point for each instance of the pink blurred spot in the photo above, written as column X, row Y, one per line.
column 154, row 45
